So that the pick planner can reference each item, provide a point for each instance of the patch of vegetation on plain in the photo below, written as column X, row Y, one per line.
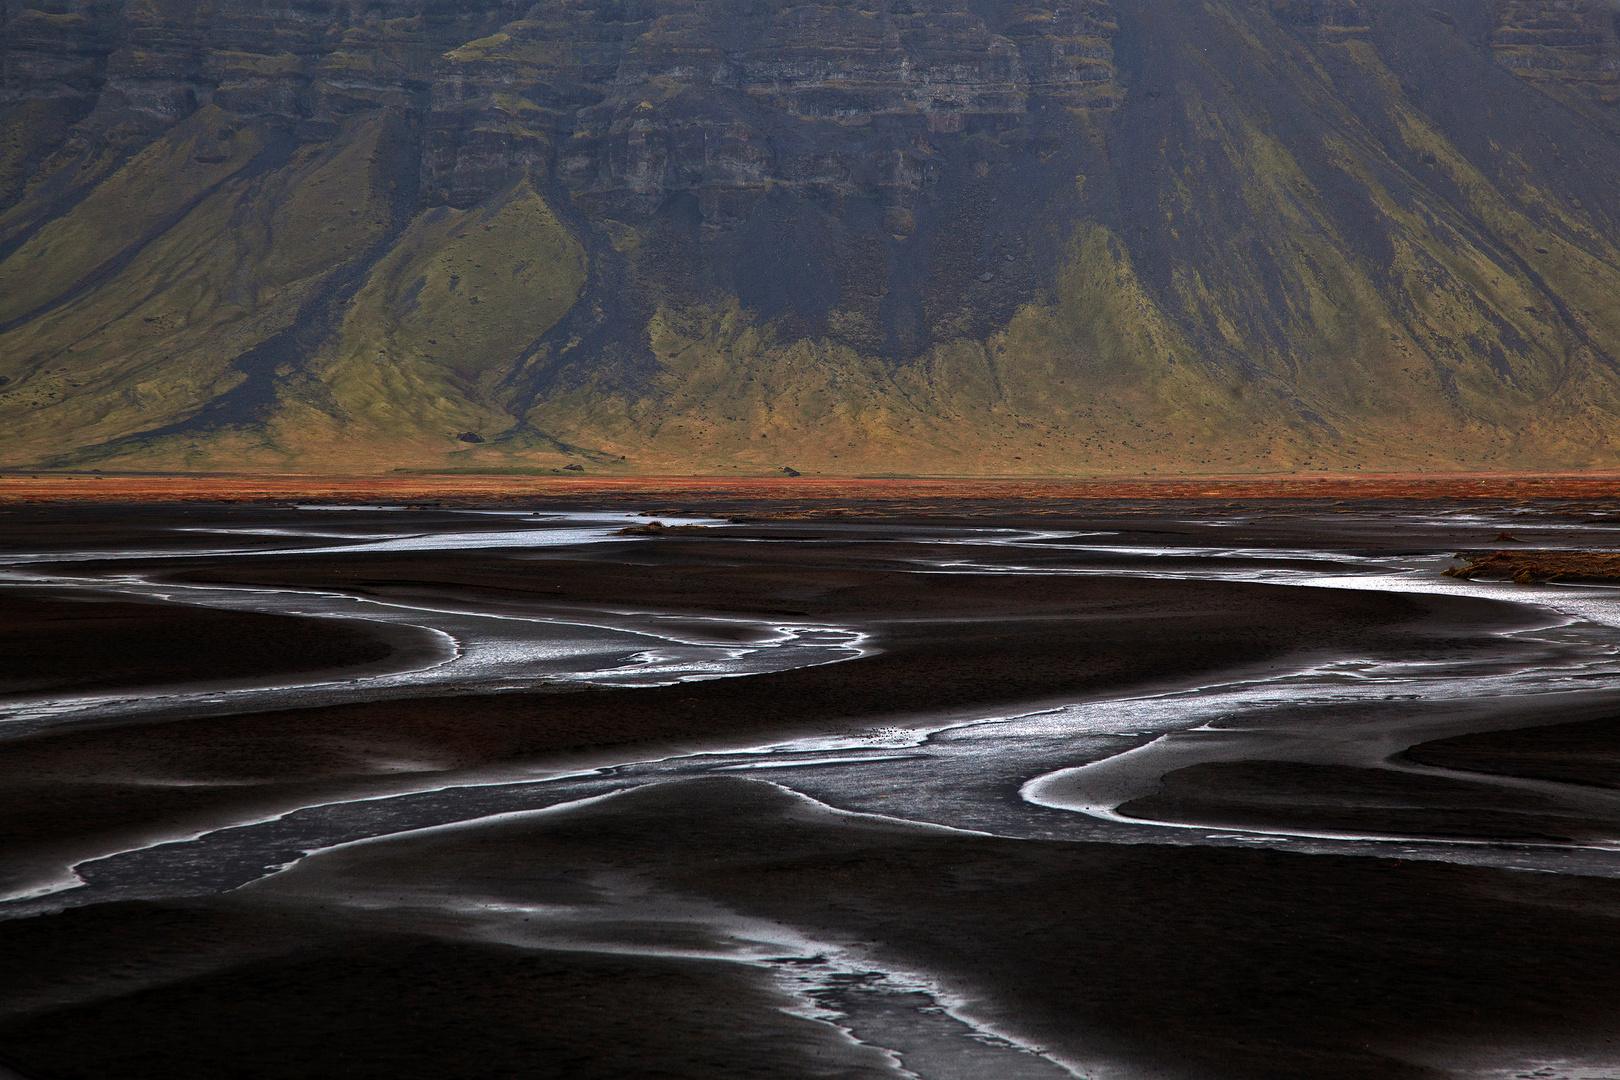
column 1530, row 567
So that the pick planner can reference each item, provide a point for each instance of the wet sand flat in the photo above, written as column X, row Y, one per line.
column 948, row 643
column 1586, row 752
column 1312, row 797
column 653, row 924
column 65, row 643
column 285, row 995
column 1147, row 960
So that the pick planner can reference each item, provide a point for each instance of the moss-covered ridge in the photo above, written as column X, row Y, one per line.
column 1126, row 237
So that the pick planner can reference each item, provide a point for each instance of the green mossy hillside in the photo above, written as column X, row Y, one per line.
column 447, row 314
column 162, row 334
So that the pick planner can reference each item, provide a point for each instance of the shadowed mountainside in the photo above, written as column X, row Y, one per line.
column 924, row 236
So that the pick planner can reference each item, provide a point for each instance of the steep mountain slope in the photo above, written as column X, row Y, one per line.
column 935, row 236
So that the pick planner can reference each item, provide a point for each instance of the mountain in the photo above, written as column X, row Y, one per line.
column 998, row 237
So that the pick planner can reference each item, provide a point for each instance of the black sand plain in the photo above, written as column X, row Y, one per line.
column 1142, row 959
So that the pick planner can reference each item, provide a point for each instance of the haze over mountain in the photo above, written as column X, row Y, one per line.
column 870, row 236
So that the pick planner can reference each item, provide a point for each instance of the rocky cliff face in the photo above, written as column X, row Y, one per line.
column 1568, row 50
column 917, row 235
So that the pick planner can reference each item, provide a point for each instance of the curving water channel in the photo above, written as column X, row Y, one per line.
column 485, row 648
